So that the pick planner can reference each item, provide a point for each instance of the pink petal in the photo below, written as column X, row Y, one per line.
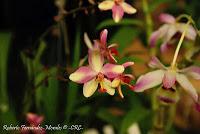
column 128, row 8
column 167, row 18
column 90, row 87
column 34, row 119
column 127, row 64
column 197, row 106
column 82, row 75
column 106, row 5
column 149, row 80
column 164, row 47
column 117, row 12
column 169, row 78
column 103, row 37
column 155, row 63
column 111, row 70
column 95, row 59
column 187, row 86
column 127, row 78
column 111, row 58
column 193, row 71
column 166, row 32
column 191, row 32
column 153, row 38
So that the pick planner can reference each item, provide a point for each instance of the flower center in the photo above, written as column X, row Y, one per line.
column 118, row 1
column 100, row 77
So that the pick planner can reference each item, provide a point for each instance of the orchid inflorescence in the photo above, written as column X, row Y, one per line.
column 106, row 76
column 103, row 72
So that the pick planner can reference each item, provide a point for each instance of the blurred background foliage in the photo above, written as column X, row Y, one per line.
column 37, row 54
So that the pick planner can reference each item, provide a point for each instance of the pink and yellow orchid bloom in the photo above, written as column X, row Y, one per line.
column 96, row 74
column 123, row 79
column 168, row 76
column 106, row 51
column 168, row 30
column 118, row 8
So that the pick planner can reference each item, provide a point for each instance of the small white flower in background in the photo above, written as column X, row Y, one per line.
column 108, row 129
column 91, row 131
column 134, row 129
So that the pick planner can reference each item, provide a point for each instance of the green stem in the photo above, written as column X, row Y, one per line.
column 173, row 65
column 163, row 119
column 148, row 18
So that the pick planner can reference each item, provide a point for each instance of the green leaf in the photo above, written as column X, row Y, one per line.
column 73, row 87
column 50, row 97
column 123, row 22
column 6, row 111
column 133, row 59
column 4, row 47
column 124, row 37
column 134, row 115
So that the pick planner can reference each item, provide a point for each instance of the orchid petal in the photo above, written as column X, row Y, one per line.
column 108, row 86
column 34, row 119
column 88, row 41
column 164, row 47
column 129, row 76
column 82, row 75
column 160, row 33
column 111, row 70
column 155, row 63
column 128, row 8
column 111, row 58
column 112, row 45
column 90, row 87
column 103, row 37
column 193, row 71
column 153, row 38
column 127, row 64
column 149, row 80
column 117, row 13
column 190, row 33
column 167, row 18
column 115, row 82
column 106, row 5
column 187, row 86
column 95, row 59
column 169, row 78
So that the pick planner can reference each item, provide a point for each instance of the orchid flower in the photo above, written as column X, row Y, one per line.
column 34, row 120
column 107, row 52
column 123, row 79
column 96, row 74
column 118, row 8
column 168, row 30
column 168, row 76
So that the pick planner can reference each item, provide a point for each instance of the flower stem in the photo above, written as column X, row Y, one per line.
column 173, row 65
column 149, row 23
column 163, row 119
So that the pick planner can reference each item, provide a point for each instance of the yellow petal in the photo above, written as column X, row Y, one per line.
column 90, row 87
